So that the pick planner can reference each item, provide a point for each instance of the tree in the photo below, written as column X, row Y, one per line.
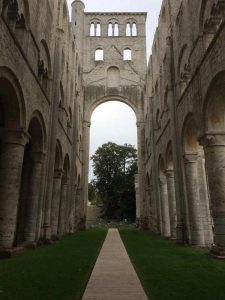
column 114, row 168
column 93, row 195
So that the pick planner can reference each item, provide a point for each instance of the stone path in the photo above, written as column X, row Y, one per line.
column 113, row 277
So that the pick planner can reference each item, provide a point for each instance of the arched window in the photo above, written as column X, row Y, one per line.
column 98, row 29
column 92, row 29
column 134, row 29
column 128, row 29
column 127, row 54
column 110, row 30
column 99, row 55
column 116, row 29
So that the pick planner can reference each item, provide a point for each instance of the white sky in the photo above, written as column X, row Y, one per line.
column 115, row 121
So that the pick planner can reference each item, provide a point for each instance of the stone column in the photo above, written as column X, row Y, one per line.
column 85, row 174
column 164, row 207
column 214, row 148
column 192, row 185
column 172, row 202
column 204, row 200
column 11, row 162
column 32, row 206
column 56, row 193
column 63, row 207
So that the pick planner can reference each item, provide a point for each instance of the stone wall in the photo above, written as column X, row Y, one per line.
column 184, row 113
column 41, row 116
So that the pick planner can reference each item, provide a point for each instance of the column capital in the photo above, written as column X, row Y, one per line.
column 87, row 123
column 18, row 137
column 191, row 157
column 211, row 139
column 169, row 173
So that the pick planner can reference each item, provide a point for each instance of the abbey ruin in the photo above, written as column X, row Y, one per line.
column 53, row 74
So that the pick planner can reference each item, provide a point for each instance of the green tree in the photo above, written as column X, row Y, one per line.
column 93, row 195
column 114, row 169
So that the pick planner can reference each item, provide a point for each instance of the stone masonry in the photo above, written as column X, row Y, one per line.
column 53, row 74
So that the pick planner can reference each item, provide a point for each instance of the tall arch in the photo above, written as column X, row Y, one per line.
column 11, row 100
column 13, row 139
column 197, row 199
column 29, row 210
column 213, row 141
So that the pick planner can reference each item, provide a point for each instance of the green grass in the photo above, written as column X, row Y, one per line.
column 55, row 272
column 171, row 272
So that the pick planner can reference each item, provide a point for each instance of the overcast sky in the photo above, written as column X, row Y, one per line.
column 115, row 121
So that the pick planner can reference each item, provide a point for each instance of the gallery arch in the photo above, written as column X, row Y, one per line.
column 12, row 143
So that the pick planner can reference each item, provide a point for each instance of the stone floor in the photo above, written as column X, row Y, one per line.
column 113, row 277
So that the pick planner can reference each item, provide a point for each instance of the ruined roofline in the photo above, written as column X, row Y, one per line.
column 116, row 13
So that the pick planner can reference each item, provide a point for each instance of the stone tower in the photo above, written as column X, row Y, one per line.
column 113, row 49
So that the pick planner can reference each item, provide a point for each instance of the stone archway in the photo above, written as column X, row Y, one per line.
column 89, row 108
column 197, row 199
column 13, row 139
column 213, row 141
column 30, row 201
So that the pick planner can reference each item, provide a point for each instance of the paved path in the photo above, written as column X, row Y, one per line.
column 114, row 277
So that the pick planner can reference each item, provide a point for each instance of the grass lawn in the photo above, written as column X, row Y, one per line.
column 55, row 272
column 171, row 272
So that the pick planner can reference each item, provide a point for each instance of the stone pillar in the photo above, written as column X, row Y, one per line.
column 56, row 193
column 164, row 207
column 192, row 185
column 172, row 202
column 63, row 206
column 204, row 201
column 214, row 148
column 11, row 162
column 32, row 206
column 85, row 174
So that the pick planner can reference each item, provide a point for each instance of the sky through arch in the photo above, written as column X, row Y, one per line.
column 112, row 121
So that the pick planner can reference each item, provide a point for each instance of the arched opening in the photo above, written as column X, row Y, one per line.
column 92, row 29
column 213, row 141
column 127, row 54
column 134, row 29
column 12, row 142
column 113, row 123
column 99, row 55
column 29, row 209
column 128, row 29
column 197, row 201
column 113, row 77
column 98, row 29
column 116, row 29
column 110, row 29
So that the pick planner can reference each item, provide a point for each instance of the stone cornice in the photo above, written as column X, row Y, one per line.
column 116, row 13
